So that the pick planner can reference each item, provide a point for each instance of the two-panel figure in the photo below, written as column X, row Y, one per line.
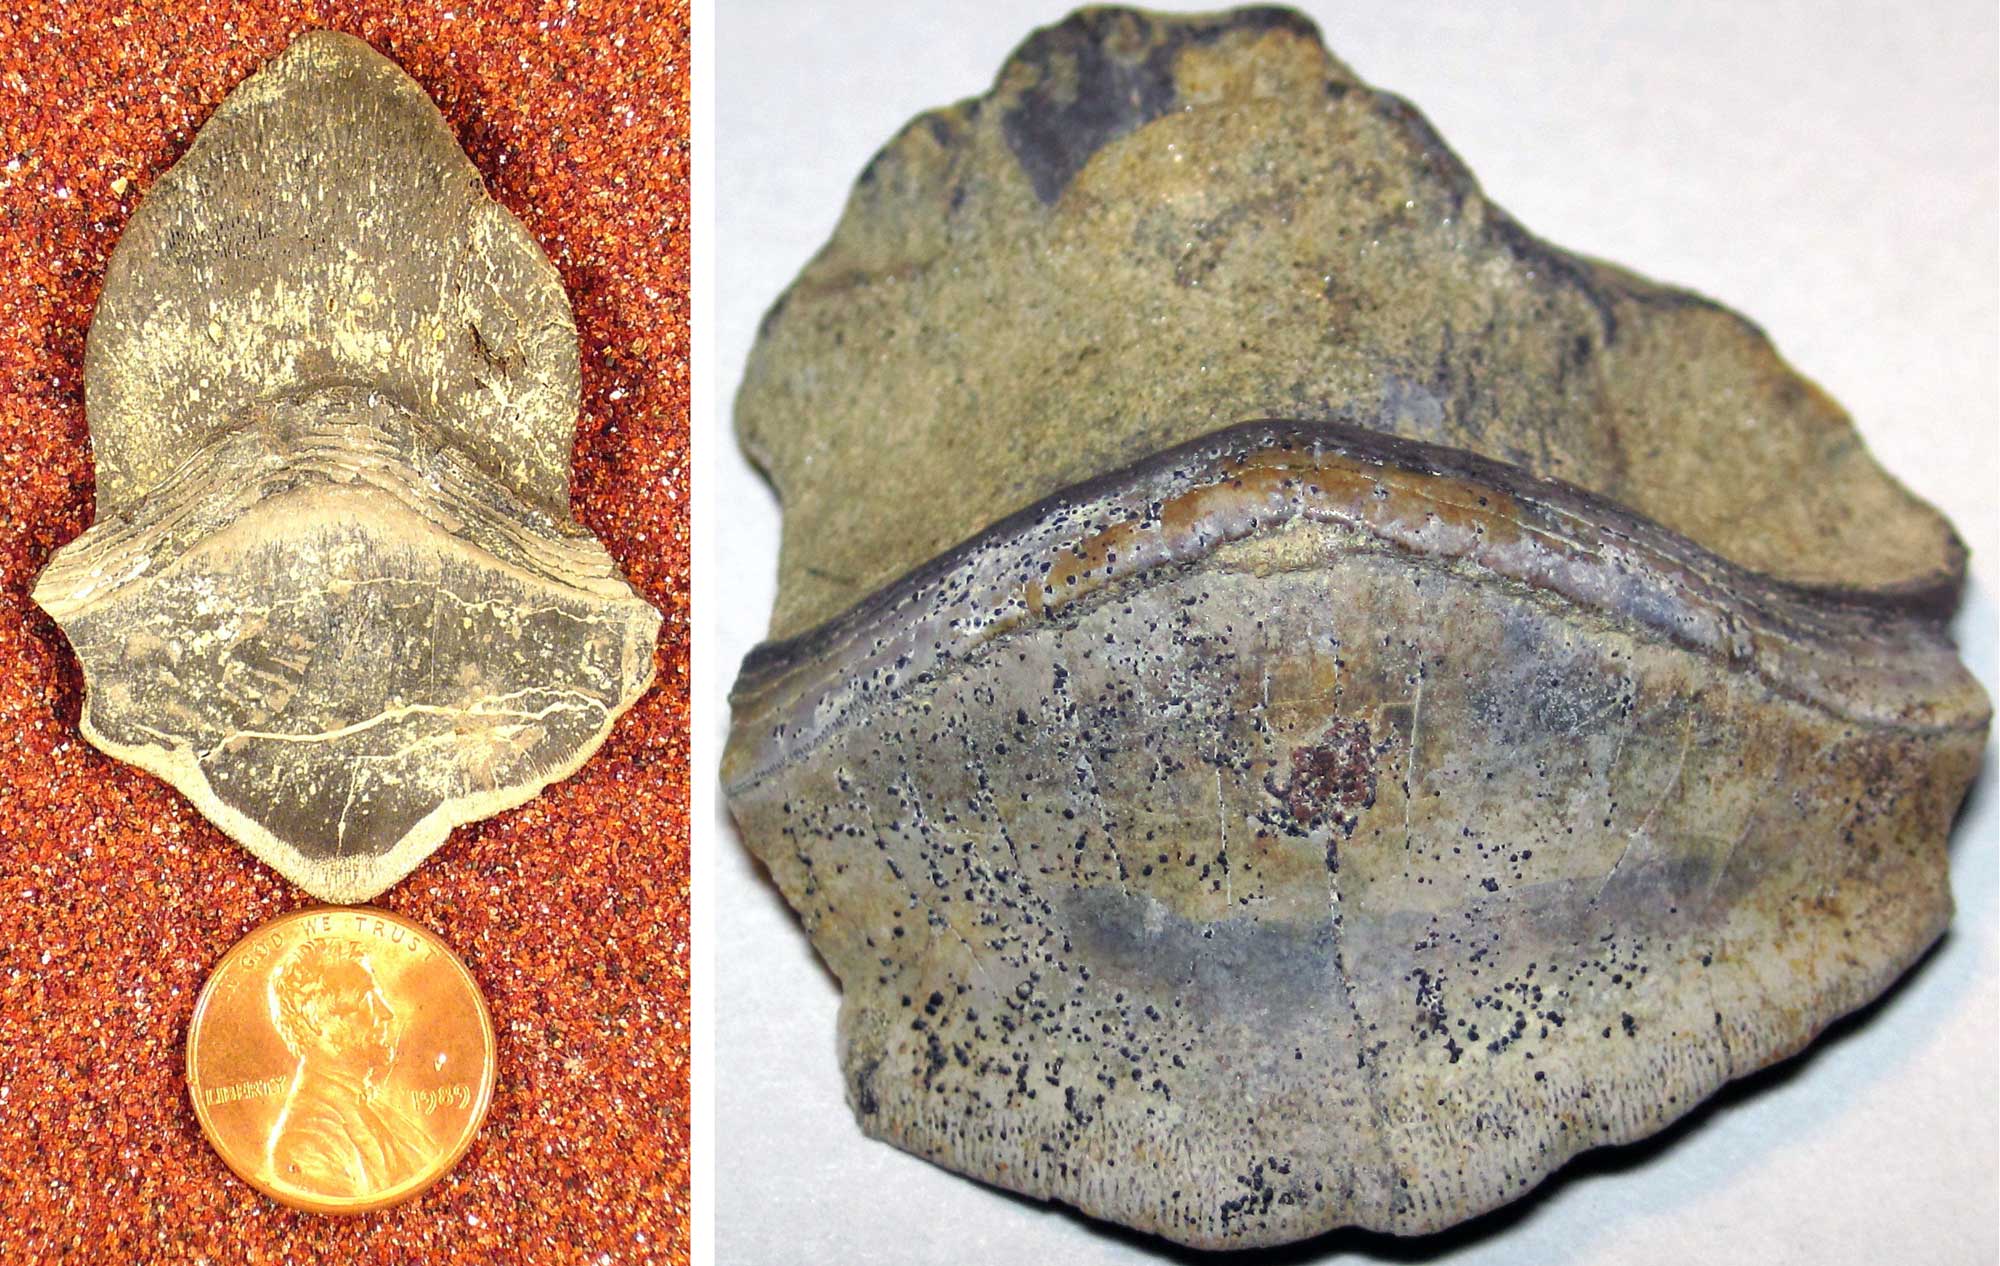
column 750, row 632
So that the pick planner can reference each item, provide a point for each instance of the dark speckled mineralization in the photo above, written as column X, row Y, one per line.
column 1366, row 706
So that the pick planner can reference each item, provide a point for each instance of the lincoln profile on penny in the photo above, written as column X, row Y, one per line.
column 339, row 1134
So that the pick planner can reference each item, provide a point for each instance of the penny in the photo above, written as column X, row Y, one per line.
column 340, row 1059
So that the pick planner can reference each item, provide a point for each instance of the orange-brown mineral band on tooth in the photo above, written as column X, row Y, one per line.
column 341, row 1059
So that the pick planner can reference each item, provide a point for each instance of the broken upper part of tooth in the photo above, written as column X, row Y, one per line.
column 1240, row 828
column 333, row 593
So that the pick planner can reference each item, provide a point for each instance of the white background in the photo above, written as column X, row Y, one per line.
column 1827, row 169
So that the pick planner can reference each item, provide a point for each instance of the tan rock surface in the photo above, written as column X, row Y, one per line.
column 1154, row 228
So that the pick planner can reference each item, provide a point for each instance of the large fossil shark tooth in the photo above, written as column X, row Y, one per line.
column 1239, row 828
column 334, row 593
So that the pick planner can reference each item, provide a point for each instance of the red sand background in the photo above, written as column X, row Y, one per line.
column 116, row 898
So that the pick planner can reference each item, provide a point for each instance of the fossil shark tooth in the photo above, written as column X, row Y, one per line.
column 334, row 594
column 1368, row 706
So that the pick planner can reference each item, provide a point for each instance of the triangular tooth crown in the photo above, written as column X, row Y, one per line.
column 325, row 227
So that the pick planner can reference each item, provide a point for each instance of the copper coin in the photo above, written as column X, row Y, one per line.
column 340, row 1059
